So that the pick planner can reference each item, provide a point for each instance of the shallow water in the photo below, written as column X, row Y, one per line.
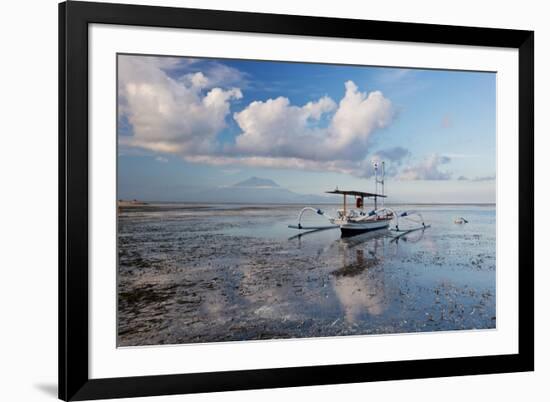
column 205, row 273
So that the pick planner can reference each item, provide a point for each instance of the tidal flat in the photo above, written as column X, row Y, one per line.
column 190, row 273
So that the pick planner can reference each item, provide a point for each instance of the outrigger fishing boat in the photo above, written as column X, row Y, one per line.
column 356, row 220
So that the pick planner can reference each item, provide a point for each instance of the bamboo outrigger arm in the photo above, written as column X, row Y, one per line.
column 318, row 212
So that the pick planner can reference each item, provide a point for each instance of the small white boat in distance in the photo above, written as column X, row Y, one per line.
column 460, row 220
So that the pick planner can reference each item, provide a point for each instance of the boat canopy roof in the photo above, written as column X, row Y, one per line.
column 356, row 193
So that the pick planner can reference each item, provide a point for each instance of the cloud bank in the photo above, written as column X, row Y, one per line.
column 174, row 109
column 185, row 115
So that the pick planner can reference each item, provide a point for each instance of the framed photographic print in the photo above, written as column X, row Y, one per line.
column 258, row 200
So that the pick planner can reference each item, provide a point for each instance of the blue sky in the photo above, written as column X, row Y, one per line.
column 186, row 125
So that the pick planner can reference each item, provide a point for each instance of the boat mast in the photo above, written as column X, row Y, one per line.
column 375, row 185
column 383, row 176
column 344, row 204
column 379, row 181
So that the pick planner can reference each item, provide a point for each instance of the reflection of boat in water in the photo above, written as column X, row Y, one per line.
column 353, row 221
column 367, row 254
column 357, row 271
column 360, row 280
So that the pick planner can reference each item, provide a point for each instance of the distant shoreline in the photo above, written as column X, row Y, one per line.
column 131, row 203
column 136, row 203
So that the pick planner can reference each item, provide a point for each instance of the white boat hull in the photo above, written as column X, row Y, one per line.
column 352, row 228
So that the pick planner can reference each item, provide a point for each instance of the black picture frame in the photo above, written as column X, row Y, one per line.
column 74, row 18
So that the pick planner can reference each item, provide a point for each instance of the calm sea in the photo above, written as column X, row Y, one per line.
column 225, row 272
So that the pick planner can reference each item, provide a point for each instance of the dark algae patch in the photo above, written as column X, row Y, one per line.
column 196, row 273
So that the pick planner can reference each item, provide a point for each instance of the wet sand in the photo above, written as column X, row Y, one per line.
column 209, row 273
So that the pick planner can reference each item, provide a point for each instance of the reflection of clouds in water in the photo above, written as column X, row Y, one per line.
column 358, row 296
column 259, row 285
column 359, row 282
column 218, row 299
column 267, row 294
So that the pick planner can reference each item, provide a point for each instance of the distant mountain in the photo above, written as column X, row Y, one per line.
column 257, row 182
column 259, row 190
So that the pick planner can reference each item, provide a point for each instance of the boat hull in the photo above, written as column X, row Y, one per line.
column 354, row 228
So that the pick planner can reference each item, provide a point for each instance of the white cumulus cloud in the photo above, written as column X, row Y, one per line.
column 427, row 169
column 175, row 110
column 276, row 128
column 167, row 115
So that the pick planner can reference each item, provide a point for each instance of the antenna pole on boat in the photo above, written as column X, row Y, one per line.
column 383, row 177
column 375, row 178
column 344, row 204
column 375, row 185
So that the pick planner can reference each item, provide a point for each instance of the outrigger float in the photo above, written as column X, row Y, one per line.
column 353, row 221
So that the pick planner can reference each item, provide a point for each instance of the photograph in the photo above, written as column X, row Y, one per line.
column 270, row 200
